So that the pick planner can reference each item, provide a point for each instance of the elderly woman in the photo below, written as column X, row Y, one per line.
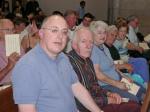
column 106, row 73
column 136, row 66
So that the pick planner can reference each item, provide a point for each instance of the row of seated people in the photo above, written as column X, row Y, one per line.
column 99, row 64
column 29, row 37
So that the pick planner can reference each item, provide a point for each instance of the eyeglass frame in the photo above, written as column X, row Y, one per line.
column 56, row 30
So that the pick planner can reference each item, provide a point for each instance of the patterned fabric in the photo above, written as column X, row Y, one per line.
column 86, row 75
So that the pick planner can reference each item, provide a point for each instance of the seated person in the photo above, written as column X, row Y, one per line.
column 6, row 63
column 44, row 80
column 12, row 59
column 136, row 50
column 139, row 65
column 104, row 66
column 32, row 38
column 80, row 59
column 87, row 19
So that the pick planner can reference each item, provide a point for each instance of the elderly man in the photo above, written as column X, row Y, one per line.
column 133, row 23
column 80, row 59
column 44, row 80
column 6, row 63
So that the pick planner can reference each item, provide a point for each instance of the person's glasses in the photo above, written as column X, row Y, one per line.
column 57, row 30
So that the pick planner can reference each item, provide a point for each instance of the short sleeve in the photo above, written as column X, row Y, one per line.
column 26, row 84
column 95, row 56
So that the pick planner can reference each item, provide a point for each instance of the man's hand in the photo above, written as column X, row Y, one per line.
column 115, row 96
column 12, row 59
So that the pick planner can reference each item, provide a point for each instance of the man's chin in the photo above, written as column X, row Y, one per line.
column 58, row 50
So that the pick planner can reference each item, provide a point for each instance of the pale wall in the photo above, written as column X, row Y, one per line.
column 136, row 7
column 97, row 7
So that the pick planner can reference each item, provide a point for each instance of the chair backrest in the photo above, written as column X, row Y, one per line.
column 146, row 103
column 6, row 101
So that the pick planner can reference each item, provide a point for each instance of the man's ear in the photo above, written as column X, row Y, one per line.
column 41, row 34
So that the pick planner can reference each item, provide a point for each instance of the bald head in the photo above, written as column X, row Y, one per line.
column 6, row 27
column 49, row 20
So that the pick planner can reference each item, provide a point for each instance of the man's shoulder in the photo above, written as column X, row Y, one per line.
column 30, row 58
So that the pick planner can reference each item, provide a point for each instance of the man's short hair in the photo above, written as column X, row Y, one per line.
column 56, row 12
column 89, row 15
column 131, row 18
column 70, row 12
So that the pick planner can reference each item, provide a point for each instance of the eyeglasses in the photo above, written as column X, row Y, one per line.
column 8, row 30
column 56, row 30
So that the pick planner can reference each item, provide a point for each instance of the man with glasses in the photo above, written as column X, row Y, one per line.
column 6, row 63
column 44, row 80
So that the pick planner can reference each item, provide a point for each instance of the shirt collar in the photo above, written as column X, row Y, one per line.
column 79, row 58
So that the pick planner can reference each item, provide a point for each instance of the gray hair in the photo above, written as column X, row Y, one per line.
column 96, row 24
column 75, row 37
column 131, row 18
column 112, row 28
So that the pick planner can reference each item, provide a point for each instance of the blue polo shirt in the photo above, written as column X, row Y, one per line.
column 104, row 60
column 47, row 83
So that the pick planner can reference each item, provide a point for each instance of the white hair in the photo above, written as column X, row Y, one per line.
column 112, row 28
column 96, row 24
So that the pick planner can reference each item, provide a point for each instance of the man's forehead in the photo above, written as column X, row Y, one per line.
column 85, row 33
column 56, row 23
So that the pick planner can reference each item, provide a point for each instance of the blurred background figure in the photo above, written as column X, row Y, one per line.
column 81, row 11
